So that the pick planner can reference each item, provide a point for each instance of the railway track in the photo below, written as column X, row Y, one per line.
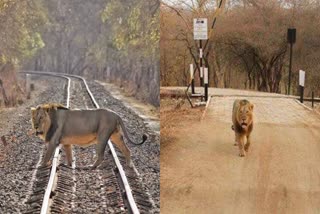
column 113, row 188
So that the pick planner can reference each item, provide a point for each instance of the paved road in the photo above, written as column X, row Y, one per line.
column 202, row 173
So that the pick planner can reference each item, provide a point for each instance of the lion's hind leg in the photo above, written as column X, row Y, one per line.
column 117, row 139
column 68, row 151
column 102, row 140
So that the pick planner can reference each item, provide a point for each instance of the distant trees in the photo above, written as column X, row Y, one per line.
column 20, row 23
column 111, row 40
column 134, row 44
column 248, row 46
column 107, row 40
column 20, row 39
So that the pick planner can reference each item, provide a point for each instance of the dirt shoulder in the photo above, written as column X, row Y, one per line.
column 175, row 115
column 146, row 111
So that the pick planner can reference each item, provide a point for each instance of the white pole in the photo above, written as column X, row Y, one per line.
column 191, row 71
column 206, row 76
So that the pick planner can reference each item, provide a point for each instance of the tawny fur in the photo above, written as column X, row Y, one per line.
column 56, row 124
column 242, row 119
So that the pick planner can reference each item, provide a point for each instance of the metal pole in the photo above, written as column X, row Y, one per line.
column 206, row 84
column 201, row 68
column 301, row 93
column 290, row 64
column 312, row 99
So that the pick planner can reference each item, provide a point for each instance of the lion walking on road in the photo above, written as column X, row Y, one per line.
column 242, row 119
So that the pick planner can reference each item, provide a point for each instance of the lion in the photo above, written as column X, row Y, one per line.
column 56, row 124
column 242, row 119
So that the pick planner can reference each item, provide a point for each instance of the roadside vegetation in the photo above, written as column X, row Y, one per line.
column 115, row 41
column 247, row 49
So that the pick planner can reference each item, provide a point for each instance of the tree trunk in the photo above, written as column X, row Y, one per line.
column 4, row 95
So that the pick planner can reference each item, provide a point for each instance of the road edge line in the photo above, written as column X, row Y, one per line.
column 205, row 110
column 310, row 109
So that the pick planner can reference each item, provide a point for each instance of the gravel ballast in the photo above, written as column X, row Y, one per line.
column 20, row 155
column 145, row 156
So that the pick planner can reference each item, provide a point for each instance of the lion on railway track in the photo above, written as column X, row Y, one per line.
column 56, row 124
column 242, row 119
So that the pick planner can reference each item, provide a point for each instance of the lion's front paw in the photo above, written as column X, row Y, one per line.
column 246, row 147
column 242, row 154
column 45, row 164
column 130, row 163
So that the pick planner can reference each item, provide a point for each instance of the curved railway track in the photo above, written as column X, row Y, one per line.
column 115, row 188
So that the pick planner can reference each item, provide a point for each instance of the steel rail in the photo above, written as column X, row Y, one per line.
column 46, row 197
column 125, row 182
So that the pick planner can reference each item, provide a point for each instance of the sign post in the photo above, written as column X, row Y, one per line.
column 200, row 32
column 291, row 39
column 302, row 76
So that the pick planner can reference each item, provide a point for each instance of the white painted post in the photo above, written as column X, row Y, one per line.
column 191, row 71
column 302, row 75
column 206, row 76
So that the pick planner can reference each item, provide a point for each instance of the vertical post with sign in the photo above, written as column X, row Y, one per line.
column 200, row 32
column 302, row 76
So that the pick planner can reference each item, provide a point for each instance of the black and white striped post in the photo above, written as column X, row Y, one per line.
column 200, row 63
column 200, row 32
column 192, row 78
column 302, row 75
column 206, row 83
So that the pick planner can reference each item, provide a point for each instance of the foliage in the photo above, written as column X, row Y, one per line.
column 248, row 47
column 20, row 22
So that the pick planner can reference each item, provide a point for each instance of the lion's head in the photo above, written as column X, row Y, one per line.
column 41, row 119
column 244, row 115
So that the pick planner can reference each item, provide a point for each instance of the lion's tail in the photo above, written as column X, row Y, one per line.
column 144, row 136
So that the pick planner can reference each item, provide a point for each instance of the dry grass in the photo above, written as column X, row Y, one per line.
column 12, row 87
column 175, row 114
column 316, row 106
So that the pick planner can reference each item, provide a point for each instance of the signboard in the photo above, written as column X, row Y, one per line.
column 200, row 29
column 302, row 75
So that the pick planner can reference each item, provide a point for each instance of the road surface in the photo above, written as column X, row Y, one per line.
column 201, row 171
